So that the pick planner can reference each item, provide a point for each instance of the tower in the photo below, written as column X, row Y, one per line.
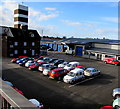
column 21, row 17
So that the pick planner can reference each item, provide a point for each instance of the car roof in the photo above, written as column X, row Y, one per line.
column 90, row 68
column 73, row 62
column 116, row 90
column 77, row 70
column 57, row 69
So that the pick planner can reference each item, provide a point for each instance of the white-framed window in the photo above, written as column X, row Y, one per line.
column 16, row 43
column 25, row 43
column 33, row 52
column 33, row 43
column 11, row 46
column 15, row 51
column 25, row 51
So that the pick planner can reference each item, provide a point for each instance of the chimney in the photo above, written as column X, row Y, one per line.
column 21, row 17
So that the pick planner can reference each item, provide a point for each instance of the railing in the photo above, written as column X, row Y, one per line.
column 11, row 99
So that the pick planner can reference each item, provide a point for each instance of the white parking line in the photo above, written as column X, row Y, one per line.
column 83, row 81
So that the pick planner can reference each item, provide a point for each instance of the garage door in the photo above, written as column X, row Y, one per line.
column 54, row 47
column 59, row 48
column 79, row 51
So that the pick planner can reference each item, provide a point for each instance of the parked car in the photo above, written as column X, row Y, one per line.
column 116, row 103
column 56, row 62
column 46, row 59
column 44, row 66
column 47, row 71
column 23, row 63
column 40, row 58
column 10, row 84
column 109, row 60
column 52, row 60
column 58, row 73
column 34, row 66
column 22, row 59
column 62, row 65
column 71, row 65
column 107, row 107
column 116, row 93
column 74, row 76
column 90, row 72
column 81, row 67
column 37, row 103
column 27, row 64
column 14, row 60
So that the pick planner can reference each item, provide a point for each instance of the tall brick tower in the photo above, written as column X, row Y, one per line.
column 21, row 17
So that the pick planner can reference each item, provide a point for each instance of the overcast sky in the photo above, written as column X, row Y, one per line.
column 77, row 19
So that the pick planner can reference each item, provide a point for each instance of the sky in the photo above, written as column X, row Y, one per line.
column 70, row 19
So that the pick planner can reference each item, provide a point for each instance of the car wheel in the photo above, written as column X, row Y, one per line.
column 59, row 78
column 72, row 82
column 116, row 64
column 105, row 62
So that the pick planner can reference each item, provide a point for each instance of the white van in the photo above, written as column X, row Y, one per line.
column 71, row 65
column 74, row 76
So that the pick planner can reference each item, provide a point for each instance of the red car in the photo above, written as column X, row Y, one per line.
column 40, row 58
column 107, row 107
column 58, row 73
column 18, row 90
column 81, row 67
column 34, row 66
column 111, row 61
column 14, row 60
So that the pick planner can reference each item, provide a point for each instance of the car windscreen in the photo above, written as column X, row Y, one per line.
column 71, row 74
column 53, row 72
column 115, row 60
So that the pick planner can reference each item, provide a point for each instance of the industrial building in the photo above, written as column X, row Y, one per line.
column 89, row 48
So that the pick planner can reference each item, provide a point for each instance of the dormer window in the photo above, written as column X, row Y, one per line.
column 31, row 34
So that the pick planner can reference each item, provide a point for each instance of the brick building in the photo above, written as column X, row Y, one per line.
column 20, row 40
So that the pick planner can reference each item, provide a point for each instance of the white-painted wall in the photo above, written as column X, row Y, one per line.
column 108, row 46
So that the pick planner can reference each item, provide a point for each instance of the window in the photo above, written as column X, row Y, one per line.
column 15, row 51
column 11, row 46
column 11, row 54
column 33, row 52
column 33, row 43
column 25, row 43
column 25, row 51
column 16, row 43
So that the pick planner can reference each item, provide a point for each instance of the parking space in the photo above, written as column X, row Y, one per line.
column 91, row 94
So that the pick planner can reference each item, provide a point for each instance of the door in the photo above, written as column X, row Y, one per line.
column 79, row 51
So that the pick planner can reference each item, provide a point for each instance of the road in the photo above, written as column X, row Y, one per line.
column 58, row 95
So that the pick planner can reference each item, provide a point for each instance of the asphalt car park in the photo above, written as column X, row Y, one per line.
column 91, row 94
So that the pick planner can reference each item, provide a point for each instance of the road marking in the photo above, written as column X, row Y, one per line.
column 83, row 81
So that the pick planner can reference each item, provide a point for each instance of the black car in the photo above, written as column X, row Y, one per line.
column 56, row 62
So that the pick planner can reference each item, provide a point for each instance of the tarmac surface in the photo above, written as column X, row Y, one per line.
column 59, row 95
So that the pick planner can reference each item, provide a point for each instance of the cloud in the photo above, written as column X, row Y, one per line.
column 71, row 23
column 50, row 9
column 111, row 19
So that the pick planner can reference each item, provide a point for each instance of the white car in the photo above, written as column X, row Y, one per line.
column 73, row 76
column 116, row 93
column 42, row 67
column 90, row 72
column 63, row 64
column 116, row 103
column 27, row 64
column 36, row 103
column 71, row 65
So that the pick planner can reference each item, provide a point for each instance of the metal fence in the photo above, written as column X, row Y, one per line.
column 11, row 99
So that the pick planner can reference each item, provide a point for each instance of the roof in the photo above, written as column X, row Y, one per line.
column 76, row 70
column 104, row 50
column 82, row 41
column 57, row 69
column 19, row 33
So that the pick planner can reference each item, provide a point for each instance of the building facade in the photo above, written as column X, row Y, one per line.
column 19, row 42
